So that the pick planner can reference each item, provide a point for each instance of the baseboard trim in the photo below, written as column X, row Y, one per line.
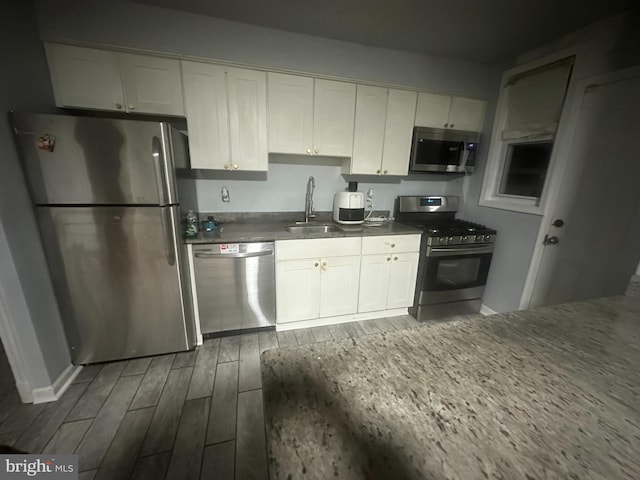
column 484, row 310
column 322, row 322
column 53, row 392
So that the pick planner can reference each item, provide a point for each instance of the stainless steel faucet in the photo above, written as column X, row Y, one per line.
column 308, row 203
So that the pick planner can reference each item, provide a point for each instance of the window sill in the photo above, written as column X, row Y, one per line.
column 513, row 204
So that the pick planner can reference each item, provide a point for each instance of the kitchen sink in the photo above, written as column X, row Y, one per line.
column 311, row 228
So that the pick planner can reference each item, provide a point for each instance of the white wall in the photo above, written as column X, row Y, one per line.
column 25, row 287
column 608, row 45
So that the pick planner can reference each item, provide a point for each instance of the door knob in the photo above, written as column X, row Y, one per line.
column 550, row 240
column 558, row 223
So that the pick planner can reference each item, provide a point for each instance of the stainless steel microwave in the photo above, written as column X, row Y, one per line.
column 443, row 150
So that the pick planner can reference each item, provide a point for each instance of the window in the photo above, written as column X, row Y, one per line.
column 527, row 117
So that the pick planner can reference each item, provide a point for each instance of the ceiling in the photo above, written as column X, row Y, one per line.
column 484, row 31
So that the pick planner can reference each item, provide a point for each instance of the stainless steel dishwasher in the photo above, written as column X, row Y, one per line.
column 235, row 286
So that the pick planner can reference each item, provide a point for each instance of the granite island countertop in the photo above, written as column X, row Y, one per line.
column 552, row 392
column 271, row 228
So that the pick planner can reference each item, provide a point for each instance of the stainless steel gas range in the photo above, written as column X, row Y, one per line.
column 455, row 256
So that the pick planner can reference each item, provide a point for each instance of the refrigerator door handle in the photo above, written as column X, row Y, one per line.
column 160, row 164
column 169, row 237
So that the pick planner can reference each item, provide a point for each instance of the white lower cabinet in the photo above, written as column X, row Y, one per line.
column 316, row 278
column 388, row 272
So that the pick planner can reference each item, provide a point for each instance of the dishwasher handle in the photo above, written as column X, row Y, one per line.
column 232, row 255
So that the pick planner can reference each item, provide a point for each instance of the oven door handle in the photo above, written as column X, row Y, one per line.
column 448, row 251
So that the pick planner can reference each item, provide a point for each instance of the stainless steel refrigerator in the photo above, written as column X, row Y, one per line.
column 107, row 198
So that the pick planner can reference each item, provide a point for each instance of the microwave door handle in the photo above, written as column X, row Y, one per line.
column 465, row 157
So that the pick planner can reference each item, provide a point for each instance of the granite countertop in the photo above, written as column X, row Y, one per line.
column 552, row 392
column 265, row 227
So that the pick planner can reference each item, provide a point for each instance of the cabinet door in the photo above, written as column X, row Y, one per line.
column 297, row 290
column 247, row 90
column 374, row 283
column 401, row 110
column 85, row 78
column 333, row 115
column 368, row 136
column 290, row 113
column 466, row 114
column 433, row 110
column 402, row 280
column 152, row 84
column 205, row 97
column 339, row 285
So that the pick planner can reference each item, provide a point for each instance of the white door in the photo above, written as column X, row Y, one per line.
column 85, row 77
column 339, row 285
column 205, row 96
column 297, row 290
column 374, row 283
column 152, row 84
column 290, row 113
column 333, row 114
column 401, row 111
column 368, row 137
column 247, row 91
column 596, row 249
column 402, row 280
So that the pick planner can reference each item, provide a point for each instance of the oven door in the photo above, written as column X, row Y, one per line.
column 454, row 273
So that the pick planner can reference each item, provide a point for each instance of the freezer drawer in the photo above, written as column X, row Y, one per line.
column 235, row 286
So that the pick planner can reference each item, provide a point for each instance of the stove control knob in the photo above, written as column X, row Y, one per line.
column 465, row 238
column 479, row 238
column 487, row 237
column 450, row 239
column 442, row 240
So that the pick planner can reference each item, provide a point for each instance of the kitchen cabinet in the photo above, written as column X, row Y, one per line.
column 383, row 129
column 388, row 272
column 443, row 111
column 310, row 116
column 106, row 80
column 226, row 111
column 316, row 278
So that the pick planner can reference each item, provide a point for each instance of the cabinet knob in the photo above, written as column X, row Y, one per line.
column 388, row 259
column 378, row 172
column 451, row 126
column 235, row 166
column 132, row 107
column 226, row 167
column 393, row 245
column 385, row 172
column 308, row 150
column 316, row 264
column 317, row 150
column 324, row 264
column 395, row 258
column 119, row 106
column 446, row 125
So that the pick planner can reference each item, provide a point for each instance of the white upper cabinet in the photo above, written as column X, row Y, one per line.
column 310, row 117
column 85, row 78
column 383, row 130
column 333, row 114
column 152, row 84
column 226, row 111
column 105, row 80
column 443, row 111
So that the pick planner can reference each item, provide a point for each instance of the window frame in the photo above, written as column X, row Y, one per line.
column 497, row 154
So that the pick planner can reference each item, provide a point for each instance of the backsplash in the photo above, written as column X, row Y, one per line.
column 284, row 188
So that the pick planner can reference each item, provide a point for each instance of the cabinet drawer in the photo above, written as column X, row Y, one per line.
column 317, row 248
column 390, row 244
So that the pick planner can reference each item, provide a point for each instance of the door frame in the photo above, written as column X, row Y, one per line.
column 557, row 176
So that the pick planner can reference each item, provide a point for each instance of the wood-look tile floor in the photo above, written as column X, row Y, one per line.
column 190, row 415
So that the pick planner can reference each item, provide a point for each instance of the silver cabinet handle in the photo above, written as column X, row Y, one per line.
column 232, row 255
